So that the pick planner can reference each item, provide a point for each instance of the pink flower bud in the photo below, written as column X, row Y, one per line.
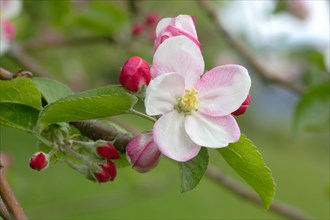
column 137, row 29
column 142, row 152
column 242, row 109
column 152, row 19
column 108, row 152
column 182, row 25
column 9, row 29
column 39, row 161
column 108, row 173
column 134, row 74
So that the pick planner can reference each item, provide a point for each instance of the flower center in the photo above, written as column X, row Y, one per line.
column 189, row 101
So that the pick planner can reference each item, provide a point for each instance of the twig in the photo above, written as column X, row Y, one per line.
column 17, row 53
column 8, row 198
column 279, row 208
column 4, row 213
column 96, row 130
column 263, row 72
column 46, row 44
column 5, row 75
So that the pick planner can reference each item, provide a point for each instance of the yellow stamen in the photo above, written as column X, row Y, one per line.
column 188, row 101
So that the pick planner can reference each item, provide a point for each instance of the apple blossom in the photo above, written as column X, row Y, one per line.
column 8, row 10
column 142, row 152
column 242, row 109
column 134, row 74
column 39, row 161
column 194, row 111
column 182, row 25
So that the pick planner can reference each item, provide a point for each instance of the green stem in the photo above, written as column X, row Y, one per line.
column 134, row 112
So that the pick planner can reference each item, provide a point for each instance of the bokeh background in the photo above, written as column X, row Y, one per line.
column 290, row 39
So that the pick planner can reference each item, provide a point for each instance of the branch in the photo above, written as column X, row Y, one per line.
column 279, row 208
column 96, row 130
column 46, row 44
column 9, row 200
column 263, row 72
column 17, row 53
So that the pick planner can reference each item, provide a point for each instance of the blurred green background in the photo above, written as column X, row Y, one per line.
column 299, row 161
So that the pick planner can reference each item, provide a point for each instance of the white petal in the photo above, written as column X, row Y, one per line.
column 186, row 23
column 171, row 138
column 10, row 8
column 180, row 55
column 162, row 24
column 162, row 93
column 223, row 89
column 213, row 132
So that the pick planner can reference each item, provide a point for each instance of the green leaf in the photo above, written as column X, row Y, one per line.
column 18, row 116
column 247, row 161
column 51, row 90
column 20, row 90
column 97, row 103
column 312, row 111
column 192, row 171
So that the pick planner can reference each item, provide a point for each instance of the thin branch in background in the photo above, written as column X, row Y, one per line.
column 17, row 53
column 46, row 44
column 279, row 208
column 243, row 51
column 9, row 200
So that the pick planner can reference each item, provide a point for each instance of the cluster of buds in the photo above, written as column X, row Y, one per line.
column 106, row 171
column 149, row 23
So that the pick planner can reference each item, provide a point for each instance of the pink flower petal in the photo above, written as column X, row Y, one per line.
column 223, row 89
column 186, row 22
column 212, row 132
column 162, row 93
column 171, row 138
column 180, row 55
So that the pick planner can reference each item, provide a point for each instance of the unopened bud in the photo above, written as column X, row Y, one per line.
column 152, row 19
column 242, row 109
column 108, row 152
column 134, row 74
column 108, row 172
column 143, row 153
column 39, row 161
column 137, row 29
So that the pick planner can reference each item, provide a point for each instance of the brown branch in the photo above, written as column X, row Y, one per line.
column 263, row 72
column 9, row 200
column 279, row 208
column 5, row 75
column 96, row 130
column 4, row 213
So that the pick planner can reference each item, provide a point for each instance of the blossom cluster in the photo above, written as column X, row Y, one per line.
column 193, row 108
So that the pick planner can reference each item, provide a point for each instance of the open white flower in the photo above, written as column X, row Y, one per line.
column 195, row 111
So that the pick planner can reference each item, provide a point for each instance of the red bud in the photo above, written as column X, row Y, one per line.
column 137, row 29
column 242, row 109
column 109, row 172
column 134, row 74
column 39, row 161
column 108, row 152
column 152, row 19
